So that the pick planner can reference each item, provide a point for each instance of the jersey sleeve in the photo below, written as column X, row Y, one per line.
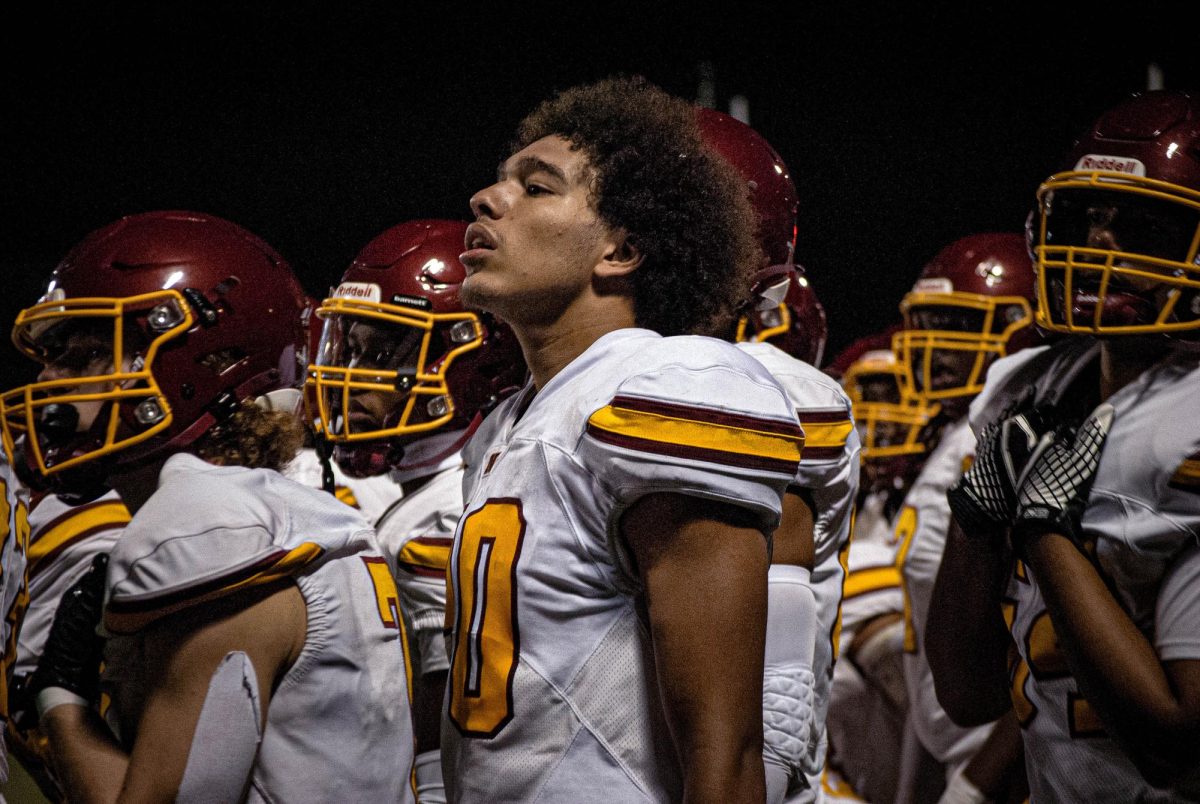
column 214, row 531
column 1177, row 617
column 724, row 432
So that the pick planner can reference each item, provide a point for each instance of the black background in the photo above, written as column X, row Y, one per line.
column 317, row 125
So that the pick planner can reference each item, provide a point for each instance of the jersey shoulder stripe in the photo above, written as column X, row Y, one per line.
column 825, row 432
column 72, row 527
column 426, row 555
column 1187, row 476
column 128, row 616
column 703, row 434
column 345, row 495
column 867, row 580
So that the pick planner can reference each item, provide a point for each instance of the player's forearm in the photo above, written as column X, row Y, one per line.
column 966, row 639
column 1114, row 664
column 87, row 760
column 998, row 766
column 722, row 773
column 710, row 671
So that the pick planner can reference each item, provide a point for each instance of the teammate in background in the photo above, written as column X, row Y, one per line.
column 14, row 545
column 65, row 536
column 1090, row 541
column 373, row 494
column 403, row 378
column 804, row 582
column 615, row 540
column 869, row 699
column 169, row 342
column 970, row 305
column 795, row 323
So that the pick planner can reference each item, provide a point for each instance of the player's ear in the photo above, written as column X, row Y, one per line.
column 621, row 256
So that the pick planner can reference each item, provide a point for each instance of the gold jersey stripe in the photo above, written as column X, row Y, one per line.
column 692, row 435
column 87, row 521
column 872, row 579
column 346, row 495
column 1188, row 474
column 420, row 553
column 826, row 434
column 127, row 617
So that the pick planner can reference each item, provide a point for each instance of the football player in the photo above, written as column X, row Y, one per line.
column 14, row 595
column 65, row 535
column 804, row 583
column 869, row 698
column 1080, row 518
column 403, row 377
column 169, row 343
column 971, row 304
column 615, row 541
column 371, row 494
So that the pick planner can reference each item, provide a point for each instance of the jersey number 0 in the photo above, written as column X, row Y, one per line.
column 487, row 642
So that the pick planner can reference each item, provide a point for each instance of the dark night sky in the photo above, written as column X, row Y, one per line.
column 317, row 125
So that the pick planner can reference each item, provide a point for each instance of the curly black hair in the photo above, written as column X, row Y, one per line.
column 682, row 206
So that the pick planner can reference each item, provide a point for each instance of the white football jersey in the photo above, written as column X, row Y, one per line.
column 872, row 584
column 415, row 534
column 371, row 495
column 552, row 693
column 63, row 540
column 14, row 546
column 338, row 725
column 921, row 527
column 829, row 471
column 865, row 729
column 1143, row 512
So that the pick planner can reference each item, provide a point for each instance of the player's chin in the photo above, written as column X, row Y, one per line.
column 480, row 291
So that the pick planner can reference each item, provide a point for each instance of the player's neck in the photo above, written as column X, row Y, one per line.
column 1122, row 360
column 551, row 347
column 136, row 485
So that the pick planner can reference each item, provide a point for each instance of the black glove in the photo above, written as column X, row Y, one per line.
column 73, row 652
column 1055, row 492
column 984, row 498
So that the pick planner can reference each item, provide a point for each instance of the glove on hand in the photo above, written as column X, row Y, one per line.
column 73, row 652
column 1055, row 491
column 985, row 497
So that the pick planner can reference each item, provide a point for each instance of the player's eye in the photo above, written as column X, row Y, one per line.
column 535, row 189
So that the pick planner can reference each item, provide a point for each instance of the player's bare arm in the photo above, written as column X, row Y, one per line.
column 705, row 576
column 1150, row 708
column 181, row 654
column 966, row 638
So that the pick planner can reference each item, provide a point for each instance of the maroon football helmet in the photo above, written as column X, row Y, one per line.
column 971, row 304
column 772, row 193
column 784, row 309
column 155, row 326
column 399, row 357
column 786, row 313
column 1116, row 234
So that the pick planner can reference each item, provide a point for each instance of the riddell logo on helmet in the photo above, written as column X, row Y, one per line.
column 933, row 284
column 1111, row 164
column 367, row 291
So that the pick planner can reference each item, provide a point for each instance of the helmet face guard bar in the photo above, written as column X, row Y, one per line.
column 921, row 352
column 133, row 407
column 421, row 400
column 1148, row 283
column 891, row 426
